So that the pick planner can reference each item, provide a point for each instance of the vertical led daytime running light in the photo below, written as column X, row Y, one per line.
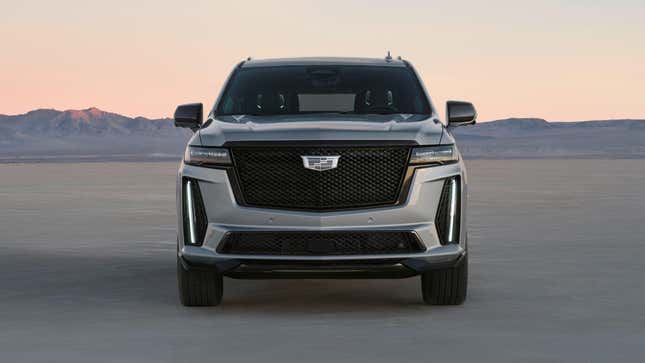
column 191, row 211
column 453, row 209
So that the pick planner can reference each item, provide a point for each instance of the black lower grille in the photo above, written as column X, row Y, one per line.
column 275, row 177
column 320, row 243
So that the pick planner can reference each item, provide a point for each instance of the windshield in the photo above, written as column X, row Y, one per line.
column 293, row 90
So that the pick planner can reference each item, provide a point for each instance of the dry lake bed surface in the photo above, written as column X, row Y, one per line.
column 87, row 274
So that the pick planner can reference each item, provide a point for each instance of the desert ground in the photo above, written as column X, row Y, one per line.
column 557, row 253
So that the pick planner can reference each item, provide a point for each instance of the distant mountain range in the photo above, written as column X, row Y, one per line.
column 92, row 134
column 537, row 138
column 89, row 134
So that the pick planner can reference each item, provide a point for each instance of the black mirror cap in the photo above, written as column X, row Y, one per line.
column 460, row 113
column 189, row 115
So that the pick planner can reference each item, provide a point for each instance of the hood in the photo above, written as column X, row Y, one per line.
column 423, row 129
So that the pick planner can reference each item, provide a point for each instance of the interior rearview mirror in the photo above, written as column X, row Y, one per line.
column 189, row 115
column 460, row 113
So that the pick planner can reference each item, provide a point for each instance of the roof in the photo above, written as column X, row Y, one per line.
column 310, row 61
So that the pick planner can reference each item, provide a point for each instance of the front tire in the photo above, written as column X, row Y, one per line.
column 199, row 287
column 446, row 286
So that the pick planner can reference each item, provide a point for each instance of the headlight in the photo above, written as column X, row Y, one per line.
column 442, row 154
column 196, row 155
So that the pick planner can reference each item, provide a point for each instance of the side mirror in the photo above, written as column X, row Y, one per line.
column 189, row 115
column 460, row 113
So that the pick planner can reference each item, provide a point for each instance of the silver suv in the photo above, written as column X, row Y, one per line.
column 322, row 168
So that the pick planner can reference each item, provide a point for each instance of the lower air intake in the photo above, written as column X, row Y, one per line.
column 320, row 243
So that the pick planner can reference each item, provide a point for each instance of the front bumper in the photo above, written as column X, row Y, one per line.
column 390, row 266
column 416, row 214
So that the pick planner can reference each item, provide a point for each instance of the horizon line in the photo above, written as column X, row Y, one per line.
column 161, row 118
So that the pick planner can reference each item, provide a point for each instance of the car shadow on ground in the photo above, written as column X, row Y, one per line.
column 122, row 281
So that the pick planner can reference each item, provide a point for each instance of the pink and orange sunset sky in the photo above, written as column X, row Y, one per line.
column 558, row 60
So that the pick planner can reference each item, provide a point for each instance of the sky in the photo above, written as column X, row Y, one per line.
column 557, row 60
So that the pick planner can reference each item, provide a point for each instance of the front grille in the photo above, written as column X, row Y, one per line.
column 320, row 243
column 275, row 177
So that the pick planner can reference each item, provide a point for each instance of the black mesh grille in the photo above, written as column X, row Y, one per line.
column 276, row 177
column 442, row 219
column 320, row 243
